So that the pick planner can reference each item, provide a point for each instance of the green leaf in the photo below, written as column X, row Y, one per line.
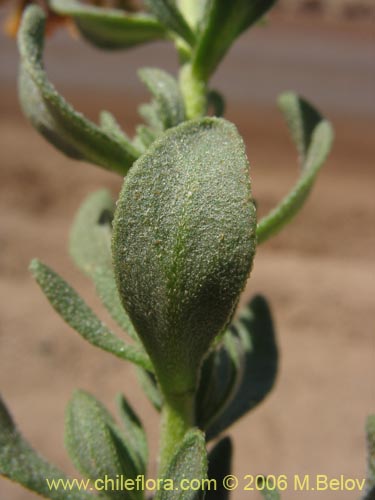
column 110, row 126
column 149, row 385
column 217, row 101
column 219, row 466
column 90, row 248
column 110, row 28
column 135, row 436
column 220, row 375
column 168, row 98
column 188, row 463
column 266, row 493
column 370, row 483
column 222, row 23
column 313, row 136
column 20, row 463
column 52, row 116
column 95, row 445
column 144, row 138
column 183, row 244
column 169, row 16
column 75, row 312
column 254, row 328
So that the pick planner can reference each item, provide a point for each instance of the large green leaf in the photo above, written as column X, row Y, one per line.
column 76, row 313
column 183, row 244
column 96, row 446
column 219, row 466
column 165, row 89
column 370, row 484
column 90, row 247
column 313, row 136
column 189, row 463
column 20, row 463
column 167, row 12
column 221, row 24
column 52, row 116
column 255, row 331
column 110, row 28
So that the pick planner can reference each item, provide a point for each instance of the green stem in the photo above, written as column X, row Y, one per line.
column 177, row 418
column 194, row 91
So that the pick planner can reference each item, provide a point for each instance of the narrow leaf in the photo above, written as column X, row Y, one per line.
column 110, row 126
column 169, row 16
column 149, row 385
column 219, row 466
column 183, row 244
column 267, row 493
column 110, row 28
column 20, row 463
column 135, row 436
column 75, row 312
column 165, row 89
column 222, row 23
column 189, row 463
column 52, row 116
column 313, row 136
column 95, row 445
column 90, row 248
column 370, row 483
column 254, row 328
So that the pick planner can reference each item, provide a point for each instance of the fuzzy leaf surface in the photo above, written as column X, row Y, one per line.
column 21, row 464
column 183, row 244
column 110, row 28
column 189, row 462
column 95, row 444
column 76, row 313
column 313, row 136
column 221, row 24
column 68, row 130
column 169, row 15
column 254, row 328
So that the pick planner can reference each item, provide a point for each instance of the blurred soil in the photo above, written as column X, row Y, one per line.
column 318, row 276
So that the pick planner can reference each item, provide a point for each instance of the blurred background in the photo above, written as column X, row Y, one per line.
column 318, row 274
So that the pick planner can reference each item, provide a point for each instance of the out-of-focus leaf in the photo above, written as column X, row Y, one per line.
column 254, row 328
column 221, row 24
column 144, row 138
column 110, row 28
column 75, row 312
column 110, row 126
column 52, row 116
column 90, row 248
column 183, row 244
column 267, row 494
column 193, row 12
column 96, row 446
column 149, row 385
column 20, row 463
column 370, row 483
column 219, row 379
column 167, row 12
column 188, row 463
column 135, row 436
column 313, row 136
column 219, row 466
column 165, row 89
column 217, row 101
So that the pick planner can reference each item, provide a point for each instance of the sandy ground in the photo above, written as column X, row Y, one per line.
column 318, row 276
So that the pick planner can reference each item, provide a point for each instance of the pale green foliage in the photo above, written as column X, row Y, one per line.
column 370, row 431
column 169, row 15
column 183, row 244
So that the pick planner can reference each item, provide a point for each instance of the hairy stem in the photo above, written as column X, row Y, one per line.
column 194, row 91
column 177, row 418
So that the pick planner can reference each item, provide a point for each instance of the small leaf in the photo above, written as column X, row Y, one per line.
column 110, row 28
column 189, row 463
column 20, row 463
column 110, row 126
column 52, row 116
column 165, row 89
column 90, row 248
column 169, row 16
column 220, row 375
column 149, row 385
column 267, row 493
column 254, row 328
column 219, row 466
column 370, row 483
column 75, row 312
column 222, row 23
column 217, row 101
column 95, row 445
column 313, row 136
column 183, row 244
column 144, row 138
